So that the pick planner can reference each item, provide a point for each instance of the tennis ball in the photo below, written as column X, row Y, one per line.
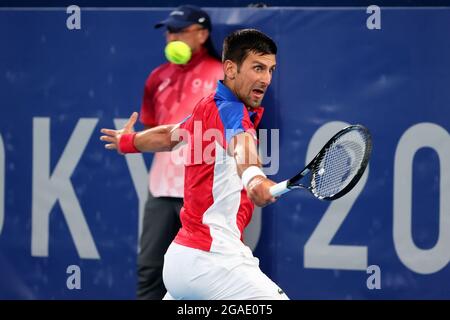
column 178, row 52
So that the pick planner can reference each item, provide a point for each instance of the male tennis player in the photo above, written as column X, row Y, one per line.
column 171, row 93
column 207, row 259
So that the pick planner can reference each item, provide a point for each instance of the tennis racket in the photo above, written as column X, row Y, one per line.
column 336, row 169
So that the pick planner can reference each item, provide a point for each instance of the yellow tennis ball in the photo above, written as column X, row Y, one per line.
column 178, row 52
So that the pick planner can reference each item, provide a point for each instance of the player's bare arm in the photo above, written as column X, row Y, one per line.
column 156, row 139
column 243, row 149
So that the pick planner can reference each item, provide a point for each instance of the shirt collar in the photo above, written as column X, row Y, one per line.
column 224, row 93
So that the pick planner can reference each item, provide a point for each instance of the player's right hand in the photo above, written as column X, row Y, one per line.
column 112, row 137
column 258, row 190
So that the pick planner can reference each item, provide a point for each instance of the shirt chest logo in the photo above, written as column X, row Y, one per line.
column 204, row 85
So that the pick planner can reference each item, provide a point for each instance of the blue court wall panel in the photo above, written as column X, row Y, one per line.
column 66, row 201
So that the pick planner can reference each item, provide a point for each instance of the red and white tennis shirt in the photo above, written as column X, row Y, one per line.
column 171, row 93
column 216, row 207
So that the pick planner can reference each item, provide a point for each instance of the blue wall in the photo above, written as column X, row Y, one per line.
column 58, row 87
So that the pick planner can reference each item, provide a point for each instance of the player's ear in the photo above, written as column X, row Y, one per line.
column 229, row 69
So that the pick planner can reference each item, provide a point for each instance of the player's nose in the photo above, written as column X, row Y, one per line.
column 266, row 78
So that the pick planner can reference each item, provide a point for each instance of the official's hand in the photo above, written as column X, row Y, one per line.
column 258, row 190
column 112, row 137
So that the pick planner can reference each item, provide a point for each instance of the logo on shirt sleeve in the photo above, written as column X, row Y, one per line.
column 164, row 84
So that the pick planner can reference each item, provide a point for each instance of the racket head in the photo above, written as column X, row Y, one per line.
column 340, row 164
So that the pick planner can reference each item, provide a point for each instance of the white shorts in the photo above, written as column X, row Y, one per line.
column 195, row 274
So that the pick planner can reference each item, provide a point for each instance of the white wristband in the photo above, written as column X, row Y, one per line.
column 250, row 173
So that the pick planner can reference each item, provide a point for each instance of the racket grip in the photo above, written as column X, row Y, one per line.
column 279, row 189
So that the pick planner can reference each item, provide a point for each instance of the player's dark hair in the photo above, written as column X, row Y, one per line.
column 240, row 43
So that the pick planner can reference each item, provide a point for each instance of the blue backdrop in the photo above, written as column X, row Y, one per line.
column 65, row 201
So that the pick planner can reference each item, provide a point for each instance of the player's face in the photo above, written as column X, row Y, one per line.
column 253, row 78
column 194, row 36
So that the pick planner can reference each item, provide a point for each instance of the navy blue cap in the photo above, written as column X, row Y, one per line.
column 184, row 16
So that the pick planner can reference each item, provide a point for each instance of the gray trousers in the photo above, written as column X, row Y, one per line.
column 160, row 226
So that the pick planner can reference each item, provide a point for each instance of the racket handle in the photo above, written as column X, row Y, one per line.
column 279, row 189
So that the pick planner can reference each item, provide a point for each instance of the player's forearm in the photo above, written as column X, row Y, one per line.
column 243, row 147
column 156, row 139
column 244, row 151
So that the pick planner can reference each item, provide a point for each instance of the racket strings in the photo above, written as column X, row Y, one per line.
column 339, row 164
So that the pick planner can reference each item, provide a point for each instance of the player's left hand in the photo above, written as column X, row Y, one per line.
column 113, row 136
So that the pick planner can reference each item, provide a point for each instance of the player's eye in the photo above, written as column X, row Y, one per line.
column 258, row 68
